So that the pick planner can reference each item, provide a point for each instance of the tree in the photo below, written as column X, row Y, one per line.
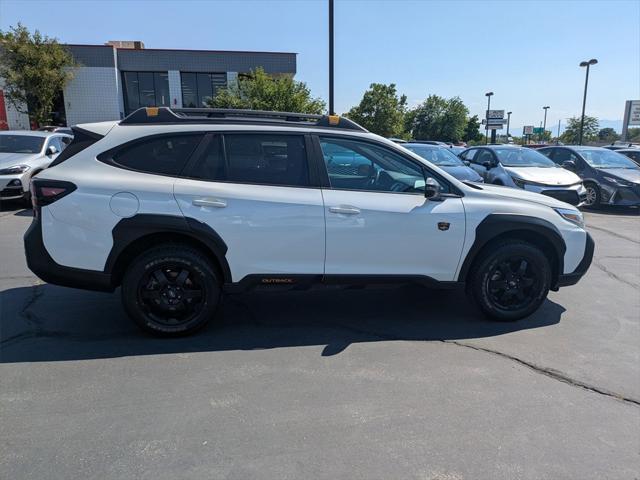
column 381, row 110
column 571, row 134
column 261, row 91
column 472, row 130
column 35, row 69
column 439, row 119
column 608, row 135
column 633, row 135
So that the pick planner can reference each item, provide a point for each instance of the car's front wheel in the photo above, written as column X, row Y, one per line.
column 593, row 197
column 511, row 280
column 171, row 290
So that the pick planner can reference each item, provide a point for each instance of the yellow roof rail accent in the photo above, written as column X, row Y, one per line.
column 152, row 111
column 334, row 119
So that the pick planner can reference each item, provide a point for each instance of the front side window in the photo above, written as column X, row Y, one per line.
column 522, row 157
column 560, row 155
column 166, row 155
column 469, row 154
column 355, row 165
column 55, row 142
column 20, row 144
column 255, row 159
column 443, row 157
column 484, row 156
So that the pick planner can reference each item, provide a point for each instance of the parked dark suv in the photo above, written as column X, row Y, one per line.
column 609, row 177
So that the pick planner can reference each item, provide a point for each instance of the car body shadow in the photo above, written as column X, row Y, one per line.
column 50, row 323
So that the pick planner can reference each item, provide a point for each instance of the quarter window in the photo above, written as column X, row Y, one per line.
column 354, row 165
column 165, row 155
column 255, row 159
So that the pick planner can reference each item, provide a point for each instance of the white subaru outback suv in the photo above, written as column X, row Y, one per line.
column 177, row 207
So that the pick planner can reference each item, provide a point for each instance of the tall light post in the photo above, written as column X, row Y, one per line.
column 508, row 122
column 331, row 105
column 486, row 134
column 587, row 64
column 544, row 126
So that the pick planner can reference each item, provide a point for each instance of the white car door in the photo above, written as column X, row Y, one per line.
column 378, row 219
column 255, row 191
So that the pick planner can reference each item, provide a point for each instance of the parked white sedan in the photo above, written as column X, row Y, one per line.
column 22, row 155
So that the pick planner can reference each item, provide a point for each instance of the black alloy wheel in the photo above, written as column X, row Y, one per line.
column 510, row 279
column 171, row 290
column 511, row 284
column 171, row 294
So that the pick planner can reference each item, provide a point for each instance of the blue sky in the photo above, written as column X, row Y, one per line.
column 526, row 52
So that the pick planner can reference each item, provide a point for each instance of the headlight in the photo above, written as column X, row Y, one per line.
column 519, row 182
column 573, row 216
column 14, row 169
column 618, row 182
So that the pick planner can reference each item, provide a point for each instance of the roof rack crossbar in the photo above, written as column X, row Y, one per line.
column 166, row 115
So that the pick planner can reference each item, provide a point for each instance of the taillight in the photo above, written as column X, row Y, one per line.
column 45, row 192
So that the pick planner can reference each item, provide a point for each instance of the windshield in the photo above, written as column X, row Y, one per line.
column 522, row 157
column 20, row 144
column 603, row 158
column 437, row 155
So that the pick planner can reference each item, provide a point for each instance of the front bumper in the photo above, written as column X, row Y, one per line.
column 571, row 194
column 623, row 196
column 13, row 186
column 567, row 279
column 40, row 262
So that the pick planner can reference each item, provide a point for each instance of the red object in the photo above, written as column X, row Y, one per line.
column 4, row 124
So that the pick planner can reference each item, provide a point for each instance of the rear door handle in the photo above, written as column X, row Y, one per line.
column 345, row 210
column 209, row 202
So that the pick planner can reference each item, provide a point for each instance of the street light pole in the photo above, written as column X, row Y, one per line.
column 486, row 135
column 544, row 127
column 331, row 104
column 508, row 122
column 593, row 61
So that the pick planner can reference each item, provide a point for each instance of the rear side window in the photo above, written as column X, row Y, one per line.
column 165, row 155
column 255, row 158
column 81, row 140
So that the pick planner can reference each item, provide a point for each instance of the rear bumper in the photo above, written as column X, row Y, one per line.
column 567, row 279
column 40, row 262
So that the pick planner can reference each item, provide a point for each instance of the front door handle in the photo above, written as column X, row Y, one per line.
column 345, row 210
column 209, row 202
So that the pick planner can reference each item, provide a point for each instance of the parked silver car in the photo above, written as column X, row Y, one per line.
column 519, row 167
column 22, row 155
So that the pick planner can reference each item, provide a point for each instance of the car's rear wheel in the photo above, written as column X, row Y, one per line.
column 511, row 280
column 593, row 197
column 171, row 290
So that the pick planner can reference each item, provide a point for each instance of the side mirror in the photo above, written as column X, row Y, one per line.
column 467, row 163
column 52, row 150
column 570, row 165
column 432, row 190
column 487, row 165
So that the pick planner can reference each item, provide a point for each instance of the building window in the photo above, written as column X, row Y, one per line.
column 145, row 89
column 197, row 88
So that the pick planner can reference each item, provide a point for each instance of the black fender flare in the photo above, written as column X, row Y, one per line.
column 128, row 230
column 496, row 224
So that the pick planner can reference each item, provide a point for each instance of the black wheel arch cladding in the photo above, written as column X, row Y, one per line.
column 498, row 225
column 129, row 230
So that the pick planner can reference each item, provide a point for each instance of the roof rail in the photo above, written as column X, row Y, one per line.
column 166, row 115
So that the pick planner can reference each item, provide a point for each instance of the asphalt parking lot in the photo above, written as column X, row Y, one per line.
column 386, row 383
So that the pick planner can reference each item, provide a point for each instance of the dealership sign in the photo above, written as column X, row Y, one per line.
column 495, row 114
column 527, row 130
column 634, row 114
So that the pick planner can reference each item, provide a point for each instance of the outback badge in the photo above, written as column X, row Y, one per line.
column 443, row 226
